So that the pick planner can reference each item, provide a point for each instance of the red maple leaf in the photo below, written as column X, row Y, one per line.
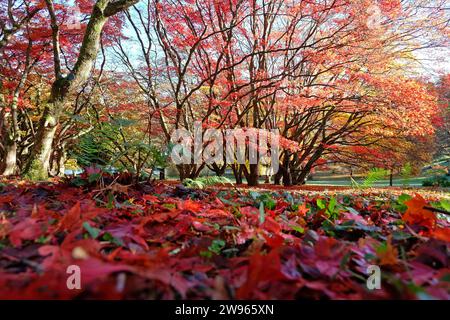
column 28, row 229
column 262, row 268
column 442, row 234
column 72, row 218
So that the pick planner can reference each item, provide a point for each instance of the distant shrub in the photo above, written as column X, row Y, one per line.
column 203, row 182
column 437, row 181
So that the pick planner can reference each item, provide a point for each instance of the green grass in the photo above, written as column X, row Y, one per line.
column 340, row 181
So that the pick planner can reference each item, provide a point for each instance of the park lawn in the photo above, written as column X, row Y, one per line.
column 164, row 241
column 346, row 181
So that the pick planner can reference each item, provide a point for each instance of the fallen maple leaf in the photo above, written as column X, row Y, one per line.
column 6, row 199
column 189, row 205
column 274, row 241
column 153, row 246
column 28, row 229
column 303, row 210
column 261, row 268
column 388, row 254
column 5, row 228
column 417, row 215
column 118, row 188
column 71, row 218
column 441, row 234
column 151, row 198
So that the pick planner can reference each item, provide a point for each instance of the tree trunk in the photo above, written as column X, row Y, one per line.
column 39, row 163
column 286, row 172
column 10, row 164
column 218, row 170
column 38, row 166
column 304, row 173
column 162, row 174
column 277, row 178
column 283, row 174
column 253, row 175
column 308, row 167
column 189, row 171
column 287, row 177
column 59, row 160
column 181, row 173
column 237, row 172
column 391, row 178
column 12, row 138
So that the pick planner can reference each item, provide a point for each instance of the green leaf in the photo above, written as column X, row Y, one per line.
column 78, row 182
column 93, row 232
column 110, row 204
column 255, row 195
column 332, row 205
column 109, row 237
column 445, row 204
column 321, row 204
column 42, row 239
column 352, row 210
column 217, row 246
column 400, row 235
column 94, row 177
column 288, row 197
column 401, row 206
column 298, row 229
column 225, row 201
column 403, row 198
column 231, row 228
column 446, row 277
column 206, row 254
column 262, row 214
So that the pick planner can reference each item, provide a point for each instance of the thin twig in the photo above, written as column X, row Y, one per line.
column 437, row 210
column 27, row 262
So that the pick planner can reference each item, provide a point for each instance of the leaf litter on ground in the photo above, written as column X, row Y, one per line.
column 167, row 241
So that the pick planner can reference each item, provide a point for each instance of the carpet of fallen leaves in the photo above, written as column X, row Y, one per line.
column 168, row 242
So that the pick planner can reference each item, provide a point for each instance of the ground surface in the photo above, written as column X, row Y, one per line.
column 167, row 242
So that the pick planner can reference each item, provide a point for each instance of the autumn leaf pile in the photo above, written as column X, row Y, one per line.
column 170, row 242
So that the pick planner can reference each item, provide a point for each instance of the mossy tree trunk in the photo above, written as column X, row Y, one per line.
column 64, row 87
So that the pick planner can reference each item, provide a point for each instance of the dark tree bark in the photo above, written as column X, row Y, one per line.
column 237, row 172
column 253, row 175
